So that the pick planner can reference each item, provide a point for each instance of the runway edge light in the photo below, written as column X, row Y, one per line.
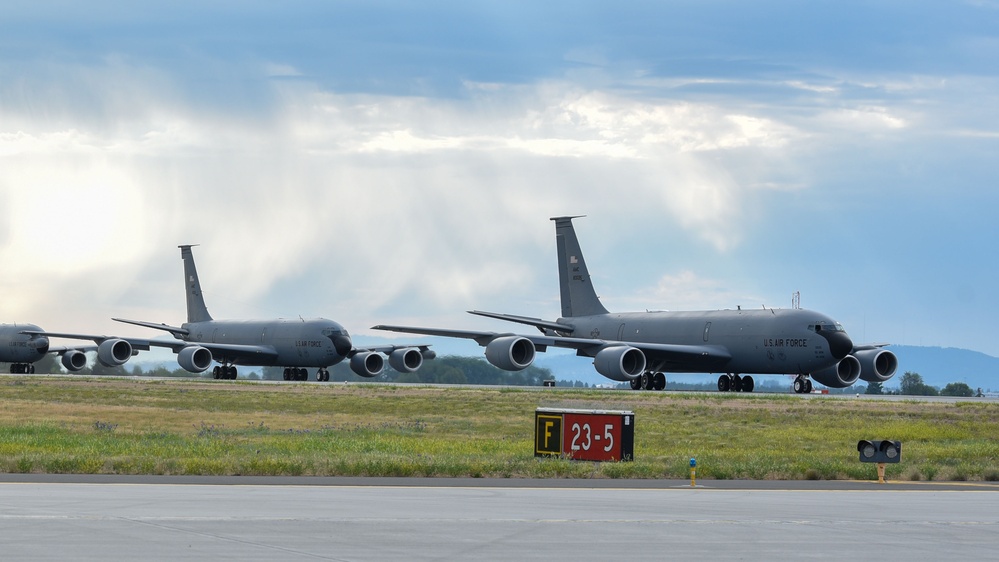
column 882, row 450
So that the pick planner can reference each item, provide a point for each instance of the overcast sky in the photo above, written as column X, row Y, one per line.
column 397, row 162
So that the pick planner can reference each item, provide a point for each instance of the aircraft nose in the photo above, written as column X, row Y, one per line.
column 342, row 344
column 840, row 344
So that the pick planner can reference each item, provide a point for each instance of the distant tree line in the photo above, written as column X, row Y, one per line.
column 912, row 384
column 449, row 369
column 453, row 369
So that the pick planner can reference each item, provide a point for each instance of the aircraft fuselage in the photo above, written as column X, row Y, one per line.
column 765, row 341
column 298, row 343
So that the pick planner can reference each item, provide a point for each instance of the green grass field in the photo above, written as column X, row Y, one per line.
column 101, row 426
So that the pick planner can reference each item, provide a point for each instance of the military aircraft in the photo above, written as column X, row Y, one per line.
column 294, row 344
column 641, row 347
column 22, row 345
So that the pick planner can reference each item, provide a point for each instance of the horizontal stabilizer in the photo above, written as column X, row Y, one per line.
column 172, row 329
column 536, row 322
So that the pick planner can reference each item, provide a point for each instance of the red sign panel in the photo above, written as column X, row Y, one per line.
column 592, row 437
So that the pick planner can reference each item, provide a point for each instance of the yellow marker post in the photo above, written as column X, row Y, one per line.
column 693, row 472
column 881, row 473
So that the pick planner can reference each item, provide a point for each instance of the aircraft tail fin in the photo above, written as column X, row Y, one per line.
column 576, row 290
column 196, row 309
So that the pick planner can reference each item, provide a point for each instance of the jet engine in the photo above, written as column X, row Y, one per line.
column 876, row 365
column 194, row 358
column 367, row 363
column 406, row 360
column 620, row 363
column 510, row 353
column 840, row 375
column 74, row 360
column 114, row 352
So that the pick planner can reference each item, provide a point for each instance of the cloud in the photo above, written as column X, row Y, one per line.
column 353, row 206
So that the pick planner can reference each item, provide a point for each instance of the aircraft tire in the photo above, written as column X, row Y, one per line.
column 659, row 381
column 748, row 384
column 736, row 383
column 636, row 383
column 724, row 383
column 799, row 385
column 808, row 386
column 647, row 382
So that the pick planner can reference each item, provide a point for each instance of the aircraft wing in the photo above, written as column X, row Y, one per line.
column 175, row 345
column 389, row 348
column 869, row 346
column 586, row 346
column 261, row 353
column 60, row 349
column 136, row 343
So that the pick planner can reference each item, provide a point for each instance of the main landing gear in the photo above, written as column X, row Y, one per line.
column 22, row 369
column 802, row 385
column 649, row 381
column 224, row 372
column 293, row 374
column 735, row 383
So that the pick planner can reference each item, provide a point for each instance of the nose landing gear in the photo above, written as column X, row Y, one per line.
column 802, row 385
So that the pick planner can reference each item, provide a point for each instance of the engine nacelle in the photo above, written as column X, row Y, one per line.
column 406, row 360
column 620, row 363
column 511, row 353
column 840, row 375
column 367, row 363
column 876, row 365
column 114, row 352
column 74, row 360
column 194, row 358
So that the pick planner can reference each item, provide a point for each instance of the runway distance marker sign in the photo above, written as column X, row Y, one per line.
column 584, row 435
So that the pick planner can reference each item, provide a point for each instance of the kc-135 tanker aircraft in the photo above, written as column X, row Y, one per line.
column 294, row 344
column 641, row 346
column 23, row 345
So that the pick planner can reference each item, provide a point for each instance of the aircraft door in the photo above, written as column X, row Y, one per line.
column 707, row 330
column 620, row 333
column 215, row 336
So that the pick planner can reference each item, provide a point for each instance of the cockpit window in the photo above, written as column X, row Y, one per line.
column 333, row 332
column 825, row 327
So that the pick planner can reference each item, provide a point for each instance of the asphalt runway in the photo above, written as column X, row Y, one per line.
column 815, row 396
column 48, row 517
